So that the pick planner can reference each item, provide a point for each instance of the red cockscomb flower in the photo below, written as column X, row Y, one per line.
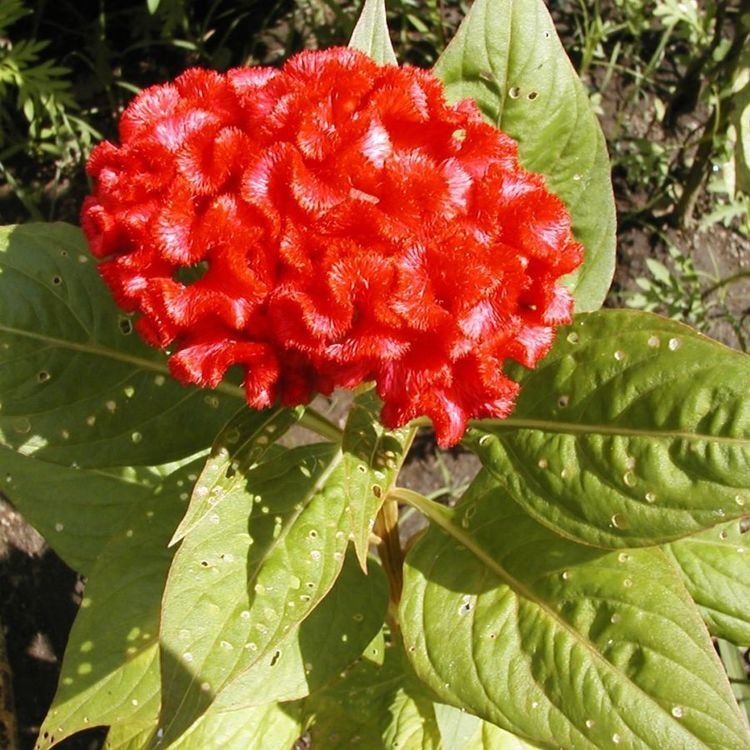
column 341, row 223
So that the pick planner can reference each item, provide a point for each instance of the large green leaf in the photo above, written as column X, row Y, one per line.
column 715, row 566
column 76, row 510
column 374, row 706
column 556, row 642
column 634, row 430
column 267, row 727
column 110, row 672
column 248, row 574
column 371, row 36
column 77, row 385
column 372, row 459
column 508, row 58
column 335, row 634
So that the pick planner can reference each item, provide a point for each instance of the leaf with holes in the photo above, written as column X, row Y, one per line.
column 249, row 435
column 634, row 430
column 248, row 574
column 110, row 672
column 374, row 706
column 508, row 58
column 715, row 566
column 76, row 510
column 335, row 634
column 372, row 459
column 560, row 643
column 371, row 35
column 77, row 385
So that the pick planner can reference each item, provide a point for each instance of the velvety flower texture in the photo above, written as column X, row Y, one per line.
column 329, row 223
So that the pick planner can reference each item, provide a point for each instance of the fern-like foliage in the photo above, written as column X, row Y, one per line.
column 33, row 89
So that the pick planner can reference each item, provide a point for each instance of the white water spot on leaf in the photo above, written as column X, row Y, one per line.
column 653, row 342
column 159, row 380
column 619, row 355
column 187, row 656
column 129, row 391
column 136, row 437
column 629, row 479
column 678, row 712
column 650, row 497
column 674, row 344
column 110, row 406
column 213, row 518
column 619, row 521
column 91, row 420
column 573, row 337
column 623, row 557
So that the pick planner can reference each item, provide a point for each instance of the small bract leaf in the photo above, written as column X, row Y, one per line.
column 508, row 58
column 562, row 644
column 634, row 430
column 371, row 35
column 77, row 385
column 247, row 437
column 372, row 459
column 715, row 566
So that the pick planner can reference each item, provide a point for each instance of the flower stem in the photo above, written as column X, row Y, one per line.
column 316, row 422
column 391, row 554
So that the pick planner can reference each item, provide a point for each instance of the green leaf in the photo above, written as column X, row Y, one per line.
column 562, row 644
column 76, row 510
column 372, row 459
column 77, row 385
column 371, row 35
column 374, row 706
column 153, row 6
column 460, row 730
column 249, row 434
column 110, row 672
column 634, row 430
column 715, row 566
column 268, row 727
column 248, row 574
column 336, row 633
column 508, row 58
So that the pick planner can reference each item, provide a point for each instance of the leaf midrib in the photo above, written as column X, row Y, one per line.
column 574, row 428
column 100, row 351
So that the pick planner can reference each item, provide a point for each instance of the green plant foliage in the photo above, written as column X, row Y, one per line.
column 375, row 706
column 508, row 58
column 633, row 431
column 372, row 459
column 462, row 731
column 78, row 385
column 247, row 575
column 247, row 436
column 371, row 35
column 563, row 644
column 110, row 674
column 715, row 566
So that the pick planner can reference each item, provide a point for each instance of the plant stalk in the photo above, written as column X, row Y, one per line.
column 390, row 552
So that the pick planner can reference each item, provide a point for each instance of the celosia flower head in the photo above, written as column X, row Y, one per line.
column 329, row 223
